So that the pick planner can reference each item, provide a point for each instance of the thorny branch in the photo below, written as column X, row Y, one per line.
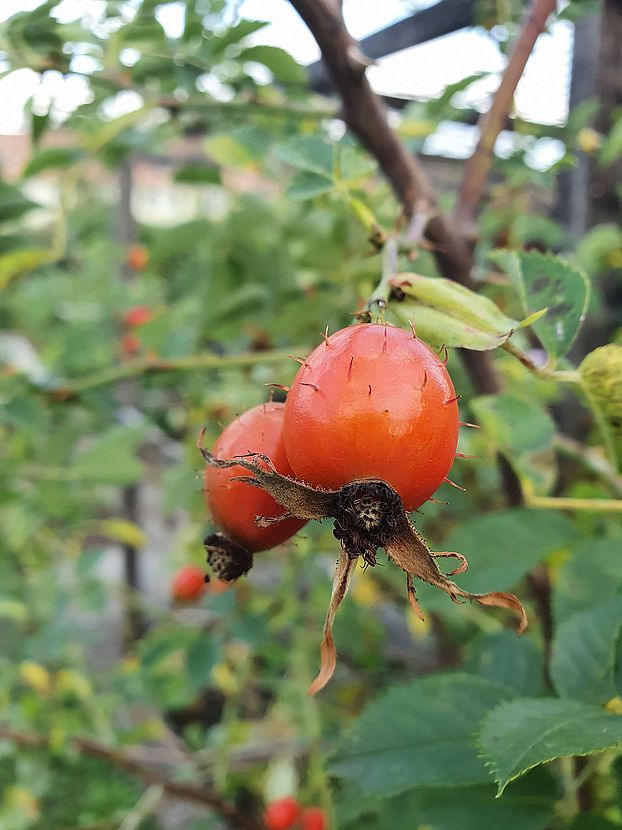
column 491, row 124
column 366, row 116
column 188, row 792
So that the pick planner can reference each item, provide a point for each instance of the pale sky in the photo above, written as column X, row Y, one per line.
column 420, row 72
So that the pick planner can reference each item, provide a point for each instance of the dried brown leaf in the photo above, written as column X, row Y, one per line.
column 503, row 599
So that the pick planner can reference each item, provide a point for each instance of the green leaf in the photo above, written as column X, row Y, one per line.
column 21, row 261
column 13, row 609
column 582, row 656
column 522, row 431
column 111, row 458
column 595, row 248
column 438, row 329
column 307, row 185
column 514, row 425
column 590, row 821
column 529, row 804
column 277, row 60
column 198, row 174
column 122, row 530
column 546, row 281
column 501, row 547
column 106, row 132
column 12, row 203
column 531, row 228
column 459, row 318
column 200, row 660
column 521, row 734
column 234, row 34
column 501, row 655
column 353, row 164
column 309, row 153
column 144, row 32
column 228, row 150
column 52, row 157
column 439, row 105
column 590, row 576
column 601, row 376
column 419, row 735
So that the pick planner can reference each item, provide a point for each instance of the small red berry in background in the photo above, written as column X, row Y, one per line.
column 314, row 818
column 130, row 344
column 137, row 257
column 282, row 813
column 188, row 584
column 137, row 316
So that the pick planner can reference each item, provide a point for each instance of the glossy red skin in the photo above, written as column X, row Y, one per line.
column 314, row 818
column 282, row 813
column 233, row 504
column 371, row 415
column 188, row 584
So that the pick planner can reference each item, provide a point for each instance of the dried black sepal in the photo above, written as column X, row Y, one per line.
column 366, row 516
column 227, row 559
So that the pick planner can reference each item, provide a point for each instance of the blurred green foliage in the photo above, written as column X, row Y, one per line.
column 420, row 717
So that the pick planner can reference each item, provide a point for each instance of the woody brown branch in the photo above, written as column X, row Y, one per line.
column 478, row 166
column 366, row 116
column 124, row 760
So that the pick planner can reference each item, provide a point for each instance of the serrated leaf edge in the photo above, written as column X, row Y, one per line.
column 347, row 733
column 490, row 764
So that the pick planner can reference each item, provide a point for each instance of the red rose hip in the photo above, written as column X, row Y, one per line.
column 373, row 401
column 234, row 505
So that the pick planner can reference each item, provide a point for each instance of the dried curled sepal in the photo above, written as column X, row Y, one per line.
column 503, row 599
column 301, row 500
column 462, row 567
column 409, row 552
column 328, row 654
column 227, row 559
column 412, row 598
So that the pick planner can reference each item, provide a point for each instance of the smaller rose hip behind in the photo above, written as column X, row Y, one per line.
column 282, row 814
column 234, row 505
column 188, row 584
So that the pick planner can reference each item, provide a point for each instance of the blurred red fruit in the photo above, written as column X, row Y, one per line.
column 188, row 584
column 130, row 344
column 137, row 316
column 282, row 813
column 314, row 818
column 137, row 257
